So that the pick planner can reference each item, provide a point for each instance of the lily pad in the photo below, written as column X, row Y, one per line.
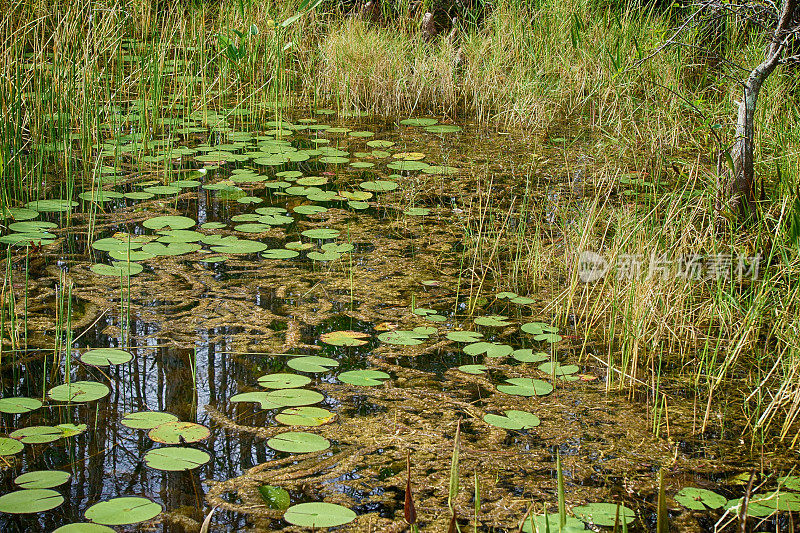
column 175, row 459
column 513, row 420
column 283, row 381
column 379, row 186
column 294, row 397
column 319, row 514
column 556, row 368
column 51, row 206
column 321, row 233
column 171, row 221
column 403, row 337
column 30, row 501
column 117, row 269
column 240, row 246
column 526, row 387
column 603, row 514
column 700, row 499
column 42, row 479
column 37, row 434
column 83, row 527
column 345, row 338
column 464, row 336
column 304, row 416
column 312, row 363
column 10, row 446
column 491, row 349
column 298, row 442
column 106, row 357
column 492, row 320
column 473, row 369
column 526, row 355
column 443, row 128
column 178, row 432
column 147, row 419
column 18, row 405
column 275, row 497
column 363, row 378
column 541, row 523
column 78, row 391
column 123, row 511
column 419, row 122
column 259, row 397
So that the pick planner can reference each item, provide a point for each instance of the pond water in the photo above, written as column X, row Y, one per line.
column 271, row 257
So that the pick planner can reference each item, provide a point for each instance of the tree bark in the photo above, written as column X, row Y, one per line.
column 739, row 191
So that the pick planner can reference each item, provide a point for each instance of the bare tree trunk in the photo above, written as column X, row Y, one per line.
column 739, row 191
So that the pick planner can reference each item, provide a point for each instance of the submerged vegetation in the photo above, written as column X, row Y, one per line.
column 287, row 265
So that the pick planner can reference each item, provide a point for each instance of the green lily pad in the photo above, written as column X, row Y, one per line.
column 473, row 369
column 526, row 387
column 123, row 511
column 700, row 499
column 537, row 328
column 259, row 397
column 464, row 336
column 523, row 300
column 42, row 479
column 37, row 434
column 171, row 221
column 321, row 233
column 603, row 514
column 423, row 122
column 380, row 143
column 405, row 165
column 757, row 509
column 10, row 446
column 32, row 226
column 147, row 419
column 18, row 405
column 345, row 338
column 298, row 442
column 541, row 523
column 30, row 501
column 363, row 378
column 379, row 186
column 117, row 269
column 491, row 349
column 556, row 368
column 513, row 420
column 294, row 397
column 548, row 337
column 443, row 128
column 106, row 357
column 130, row 255
column 83, row 527
column 78, row 391
column 417, row 211
column 312, row 363
column 526, row 355
column 354, row 204
column 178, row 432
column 319, row 514
column 171, row 249
column 790, row 482
column 70, row 430
column 304, row 416
column 240, row 246
column 51, row 206
column 403, row 337
column 492, row 320
column 275, row 497
column 176, row 459
column 18, row 213
column 283, row 381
